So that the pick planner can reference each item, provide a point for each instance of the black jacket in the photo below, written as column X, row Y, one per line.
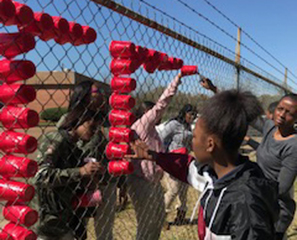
column 241, row 205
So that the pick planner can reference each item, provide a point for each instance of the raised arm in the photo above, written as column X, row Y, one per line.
column 151, row 117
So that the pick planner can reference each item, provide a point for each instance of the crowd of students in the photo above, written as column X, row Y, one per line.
column 239, row 199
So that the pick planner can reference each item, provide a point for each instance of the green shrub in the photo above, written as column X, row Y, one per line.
column 52, row 114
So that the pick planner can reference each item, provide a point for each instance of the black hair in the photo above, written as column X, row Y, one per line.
column 78, row 116
column 228, row 115
column 181, row 117
column 292, row 96
column 81, row 95
column 143, row 108
column 272, row 106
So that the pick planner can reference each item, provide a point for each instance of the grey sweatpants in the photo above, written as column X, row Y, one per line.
column 148, row 201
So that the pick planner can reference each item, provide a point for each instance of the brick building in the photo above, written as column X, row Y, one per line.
column 53, row 88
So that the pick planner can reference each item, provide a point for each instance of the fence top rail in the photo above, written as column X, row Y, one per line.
column 169, row 32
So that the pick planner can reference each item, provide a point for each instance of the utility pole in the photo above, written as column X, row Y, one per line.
column 237, row 58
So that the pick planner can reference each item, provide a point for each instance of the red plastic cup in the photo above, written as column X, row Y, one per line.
column 90, row 199
column 17, row 93
column 42, row 22
column 89, row 36
column 61, row 26
column 23, row 15
column 7, row 11
column 124, row 102
column 122, row 49
column 74, row 34
column 153, row 55
column 123, row 66
column 151, row 66
column 121, row 134
column 20, row 214
column 16, row 191
column 123, row 85
column 16, row 70
column 189, row 70
column 13, row 44
column 142, row 52
column 113, row 151
column 178, row 64
column 16, row 117
column 14, row 142
column 19, row 233
column 12, row 166
column 166, row 66
column 5, row 236
column 119, row 117
column 120, row 167
column 163, row 57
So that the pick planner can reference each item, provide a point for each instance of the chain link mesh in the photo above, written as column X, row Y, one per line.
column 61, row 67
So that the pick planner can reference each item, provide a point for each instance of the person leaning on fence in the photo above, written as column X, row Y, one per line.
column 177, row 135
column 277, row 156
column 88, row 95
column 237, row 201
column 144, row 185
column 63, row 175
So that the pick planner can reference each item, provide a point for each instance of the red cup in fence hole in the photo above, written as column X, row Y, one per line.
column 114, row 151
column 142, row 53
column 13, row 44
column 16, row 70
column 163, row 57
column 74, row 34
column 122, row 49
column 165, row 66
column 18, row 117
column 151, row 66
column 20, row 214
column 14, row 142
column 61, row 26
column 13, row 166
column 5, row 236
column 90, row 199
column 42, row 22
column 123, row 85
column 89, row 36
column 23, row 15
column 120, row 134
column 178, row 64
column 7, row 11
column 17, row 93
column 123, row 66
column 124, row 102
column 120, row 167
column 16, row 191
column 189, row 70
column 19, row 232
column 153, row 55
column 119, row 117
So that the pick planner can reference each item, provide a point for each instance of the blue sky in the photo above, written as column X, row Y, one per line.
column 271, row 23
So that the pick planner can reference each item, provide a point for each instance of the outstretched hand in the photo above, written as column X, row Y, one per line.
column 207, row 84
column 141, row 151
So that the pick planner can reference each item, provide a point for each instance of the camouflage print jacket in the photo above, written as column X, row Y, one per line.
column 58, row 181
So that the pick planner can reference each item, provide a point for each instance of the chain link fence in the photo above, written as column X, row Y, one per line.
column 125, row 207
